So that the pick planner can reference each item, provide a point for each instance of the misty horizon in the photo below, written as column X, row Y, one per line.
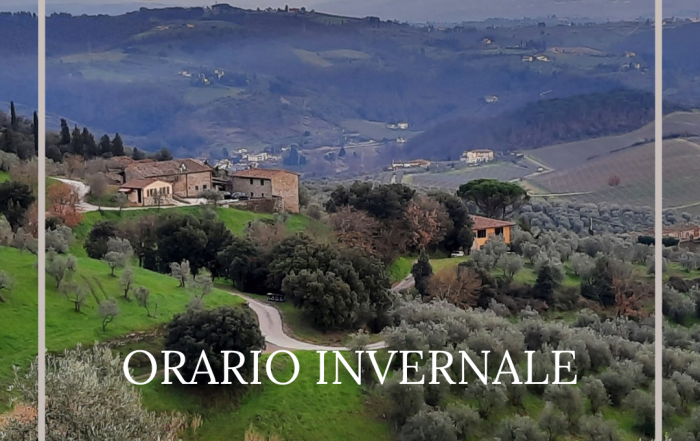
column 415, row 11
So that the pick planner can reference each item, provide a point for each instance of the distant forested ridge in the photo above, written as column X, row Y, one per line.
column 19, row 58
column 539, row 124
column 194, row 80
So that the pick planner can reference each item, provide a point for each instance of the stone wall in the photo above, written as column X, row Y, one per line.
column 253, row 187
column 286, row 186
column 260, row 205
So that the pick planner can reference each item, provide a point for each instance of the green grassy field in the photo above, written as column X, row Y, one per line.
column 19, row 316
column 4, row 176
column 301, row 411
column 236, row 220
column 65, row 328
column 401, row 267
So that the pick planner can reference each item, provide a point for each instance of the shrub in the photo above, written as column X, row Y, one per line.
column 213, row 331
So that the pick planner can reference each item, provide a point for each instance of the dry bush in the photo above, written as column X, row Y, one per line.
column 458, row 285
column 252, row 435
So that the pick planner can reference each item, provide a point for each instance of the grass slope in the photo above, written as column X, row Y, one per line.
column 19, row 316
column 65, row 328
column 301, row 411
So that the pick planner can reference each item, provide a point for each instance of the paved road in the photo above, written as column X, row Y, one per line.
column 272, row 327
column 273, row 330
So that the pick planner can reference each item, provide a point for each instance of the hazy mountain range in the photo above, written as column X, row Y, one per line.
column 404, row 10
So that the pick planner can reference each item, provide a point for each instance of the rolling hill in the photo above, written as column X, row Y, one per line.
column 192, row 78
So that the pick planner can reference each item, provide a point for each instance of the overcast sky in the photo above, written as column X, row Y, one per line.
column 410, row 10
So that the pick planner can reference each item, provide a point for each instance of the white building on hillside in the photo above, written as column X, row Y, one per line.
column 477, row 156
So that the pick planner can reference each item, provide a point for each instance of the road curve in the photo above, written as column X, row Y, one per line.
column 272, row 329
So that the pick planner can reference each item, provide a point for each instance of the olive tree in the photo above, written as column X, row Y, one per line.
column 89, row 394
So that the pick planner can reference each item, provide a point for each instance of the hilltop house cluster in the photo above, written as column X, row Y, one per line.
column 477, row 156
column 151, row 183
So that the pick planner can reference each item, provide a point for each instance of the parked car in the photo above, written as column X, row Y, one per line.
column 240, row 196
column 457, row 254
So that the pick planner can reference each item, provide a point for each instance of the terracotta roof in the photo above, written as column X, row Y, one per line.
column 167, row 168
column 122, row 160
column 262, row 173
column 139, row 183
column 483, row 223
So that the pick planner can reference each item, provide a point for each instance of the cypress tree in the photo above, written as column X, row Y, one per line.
column 105, row 146
column 76, row 142
column 544, row 285
column 421, row 271
column 65, row 132
column 35, row 132
column 91, row 149
column 117, row 146
column 13, row 116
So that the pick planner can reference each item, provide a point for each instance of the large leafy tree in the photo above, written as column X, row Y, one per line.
column 214, row 331
column 381, row 201
column 495, row 199
column 100, row 234
column 15, row 200
column 243, row 265
column 204, row 240
column 460, row 235
column 325, row 298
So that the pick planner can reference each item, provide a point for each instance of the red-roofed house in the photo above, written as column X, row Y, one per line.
column 187, row 176
column 268, row 183
column 485, row 227
column 147, row 191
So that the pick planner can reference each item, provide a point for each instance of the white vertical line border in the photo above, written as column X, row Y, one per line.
column 41, row 267
column 658, row 226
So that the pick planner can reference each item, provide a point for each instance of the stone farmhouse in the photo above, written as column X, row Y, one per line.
column 187, row 176
column 147, row 192
column 261, row 183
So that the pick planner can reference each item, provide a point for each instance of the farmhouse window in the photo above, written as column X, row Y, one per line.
column 262, row 182
column 251, row 181
column 196, row 187
column 481, row 233
column 499, row 231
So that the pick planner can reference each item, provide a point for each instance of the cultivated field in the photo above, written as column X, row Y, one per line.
column 571, row 154
column 635, row 167
column 451, row 180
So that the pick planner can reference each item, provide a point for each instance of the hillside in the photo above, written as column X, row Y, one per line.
column 191, row 78
column 19, row 316
column 538, row 124
column 65, row 328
